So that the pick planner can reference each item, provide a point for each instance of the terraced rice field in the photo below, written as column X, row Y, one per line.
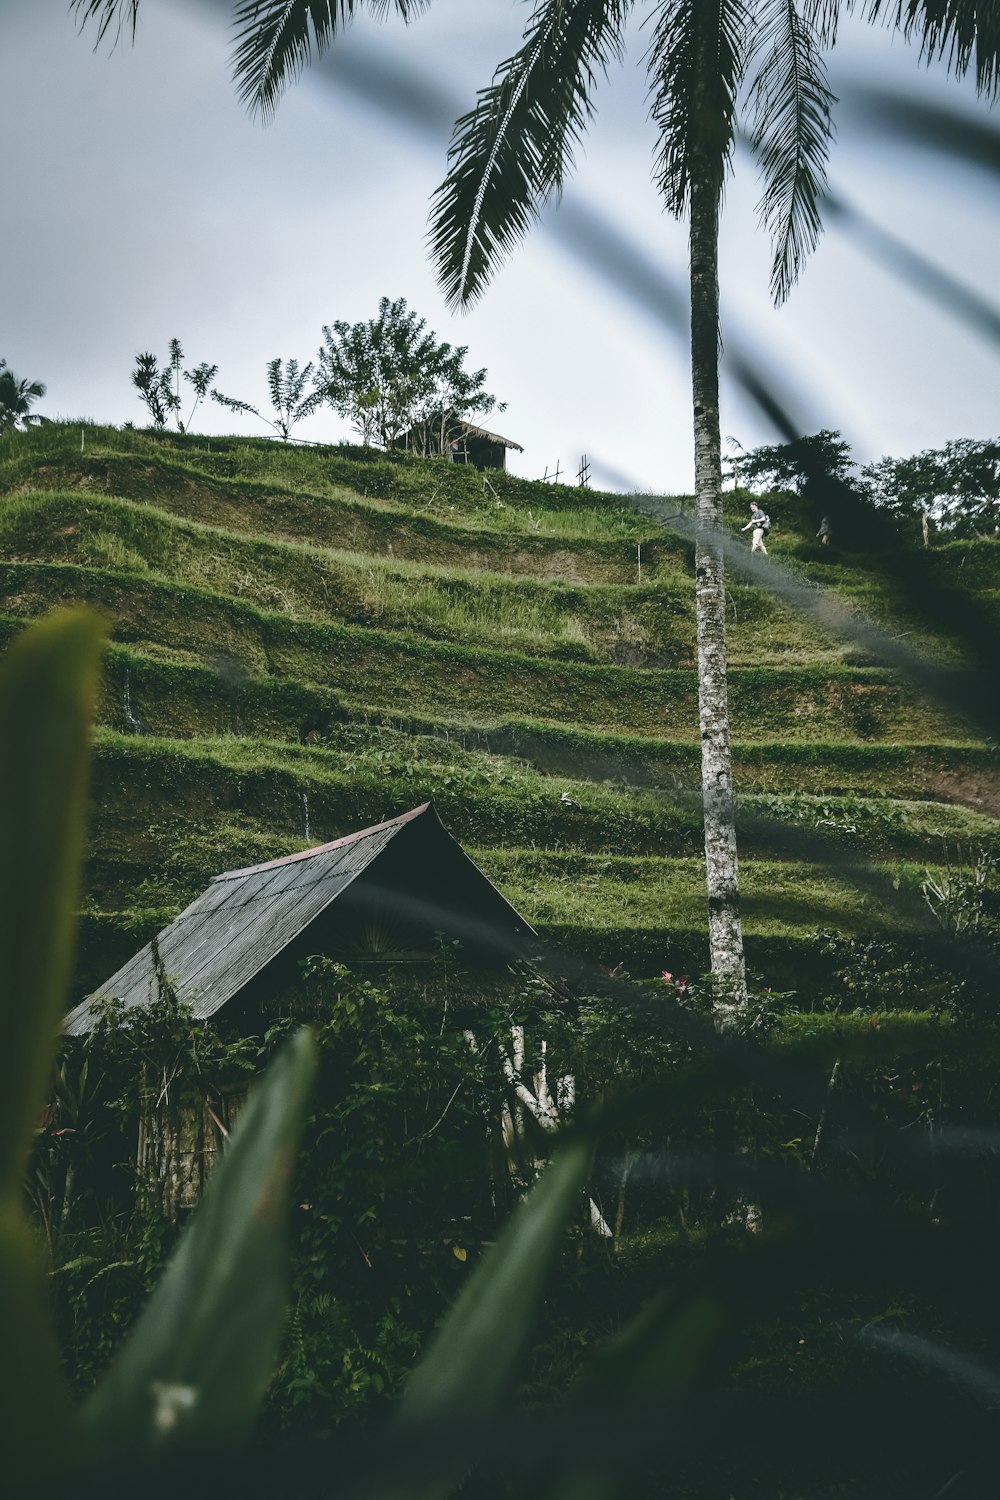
column 309, row 641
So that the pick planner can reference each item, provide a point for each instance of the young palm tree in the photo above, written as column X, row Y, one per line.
column 16, row 397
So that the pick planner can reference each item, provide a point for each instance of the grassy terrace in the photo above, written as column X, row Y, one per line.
column 490, row 800
column 310, row 640
column 393, row 670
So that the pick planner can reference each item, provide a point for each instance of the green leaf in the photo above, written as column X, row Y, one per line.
column 48, row 686
column 199, row 1360
column 475, row 1357
column 663, row 1351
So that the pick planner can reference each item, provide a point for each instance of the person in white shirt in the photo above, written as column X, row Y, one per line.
column 761, row 526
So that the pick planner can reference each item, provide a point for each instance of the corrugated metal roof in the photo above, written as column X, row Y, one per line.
column 243, row 920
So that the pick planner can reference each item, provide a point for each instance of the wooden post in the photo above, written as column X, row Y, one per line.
column 638, row 559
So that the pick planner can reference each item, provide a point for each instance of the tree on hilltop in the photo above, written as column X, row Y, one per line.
column 807, row 465
column 957, row 487
column 390, row 376
column 16, row 398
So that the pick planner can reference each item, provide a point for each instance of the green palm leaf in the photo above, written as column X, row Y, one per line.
column 512, row 151
column 823, row 17
column 275, row 39
column 696, row 62
column 790, row 107
column 107, row 13
column 965, row 33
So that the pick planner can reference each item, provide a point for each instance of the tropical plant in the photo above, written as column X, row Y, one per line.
column 200, row 379
column 160, row 388
column 274, row 38
column 203, row 1374
column 16, row 397
column 155, row 387
column 390, row 375
column 292, row 402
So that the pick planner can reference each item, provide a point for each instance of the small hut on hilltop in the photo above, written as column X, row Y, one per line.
column 377, row 897
column 463, row 443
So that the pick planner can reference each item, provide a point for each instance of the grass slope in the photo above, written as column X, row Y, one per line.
column 309, row 640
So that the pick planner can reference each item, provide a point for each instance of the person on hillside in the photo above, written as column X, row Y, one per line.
column 761, row 524
column 825, row 531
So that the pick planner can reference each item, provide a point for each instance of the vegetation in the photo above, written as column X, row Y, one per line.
column 810, row 466
column 391, row 378
column 291, row 398
column 16, row 399
column 956, row 488
column 268, row 688
column 160, row 389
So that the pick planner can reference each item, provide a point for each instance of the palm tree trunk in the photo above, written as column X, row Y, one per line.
column 724, row 931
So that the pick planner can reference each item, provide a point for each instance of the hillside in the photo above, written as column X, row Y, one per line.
column 306, row 641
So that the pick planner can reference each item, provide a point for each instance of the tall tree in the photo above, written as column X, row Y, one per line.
column 512, row 152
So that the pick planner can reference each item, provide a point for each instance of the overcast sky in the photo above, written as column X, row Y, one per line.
column 141, row 202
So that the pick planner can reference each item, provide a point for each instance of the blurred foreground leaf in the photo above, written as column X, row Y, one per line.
column 474, row 1360
column 199, row 1360
column 48, row 687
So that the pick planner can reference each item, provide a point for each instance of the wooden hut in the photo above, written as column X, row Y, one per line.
column 462, row 442
column 378, row 897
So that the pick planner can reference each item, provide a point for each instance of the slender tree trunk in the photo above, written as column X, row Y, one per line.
column 724, row 932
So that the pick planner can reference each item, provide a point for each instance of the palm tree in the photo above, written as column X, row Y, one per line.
column 511, row 153
column 16, row 397
column 274, row 38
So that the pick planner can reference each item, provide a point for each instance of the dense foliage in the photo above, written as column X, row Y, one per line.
column 957, row 487
column 391, row 377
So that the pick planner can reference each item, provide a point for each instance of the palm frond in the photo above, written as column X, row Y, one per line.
column 511, row 153
column 790, row 108
column 696, row 63
column 965, row 33
column 107, row 13
column 823, row 16
column 275, row 39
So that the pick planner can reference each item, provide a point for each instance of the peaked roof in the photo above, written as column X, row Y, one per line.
column 247, row 917
column 492, row 437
